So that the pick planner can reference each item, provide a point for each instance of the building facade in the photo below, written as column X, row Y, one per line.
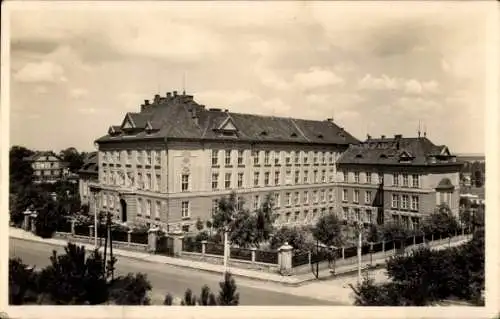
column 89, row 173
column 398, row 180
column 47, row 167
column 170, row 163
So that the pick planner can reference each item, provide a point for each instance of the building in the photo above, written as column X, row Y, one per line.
column 169, row 163
column 89, row 173
column 47, row 167
column 397, row 180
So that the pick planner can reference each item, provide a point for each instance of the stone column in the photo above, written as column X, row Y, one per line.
column 285, row 265
column 203, row 247
column 27, row 224
column 253, row 250
column 177, row 235
column 129, row 236
column 91, row 231
column 152, row 239
column 33, row 222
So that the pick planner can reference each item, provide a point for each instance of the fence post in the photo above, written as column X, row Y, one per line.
column 383, row 246
column 432, row 237
column 129, row 237
column 203, row 247
column 309, row 257
column 91, row 231
column 73, row 227
column 152, row 239
column 343, row 254
column 414, row 241
column 253, row 250
column 285, row 266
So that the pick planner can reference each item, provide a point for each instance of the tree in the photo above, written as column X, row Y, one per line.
column 130, row 290
column 207, row 298
column 22, row 283
column 73, row 279
column 169, row 300
column 72, row 158
column 441, row 222
column 294, row 236
column 328, row 230
column 48, row 218
column 228, row 295
column 199, row 224
column 20, row 170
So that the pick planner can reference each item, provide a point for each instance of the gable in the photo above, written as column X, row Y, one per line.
column 128, row 123
column 445, row 151
column 228, row 125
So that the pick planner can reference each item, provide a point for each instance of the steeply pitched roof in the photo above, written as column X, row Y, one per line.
column 90, row 165
column 181, row 117
column 39, row 154
column 397, row 151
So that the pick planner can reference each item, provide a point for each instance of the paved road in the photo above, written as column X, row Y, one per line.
column 166, row 278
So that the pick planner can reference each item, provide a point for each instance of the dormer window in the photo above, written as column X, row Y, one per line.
column 148, row 128
column 320, row 136
column 293, row 134
column 383, row 156
column 359, row 155
column 263, row 133
column 227, row 128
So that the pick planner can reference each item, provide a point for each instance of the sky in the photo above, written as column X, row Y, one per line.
column 376, row 68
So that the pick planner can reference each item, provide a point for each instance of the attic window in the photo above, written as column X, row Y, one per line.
column 383, row 156
column 263, row 133
column 320, row 136
column 293, row 134
column 359, row 155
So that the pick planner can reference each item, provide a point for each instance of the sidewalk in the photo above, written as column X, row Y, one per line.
column 203, row 266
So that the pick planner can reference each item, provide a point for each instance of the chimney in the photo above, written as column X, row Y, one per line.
column 398, row 136
column 169, row 95
column 146, row 102
column 226, row 110
column 330, row 120
column 383, row 136
column 175, row 93
column 368, row 137
column 142, row 107
column 157, row 99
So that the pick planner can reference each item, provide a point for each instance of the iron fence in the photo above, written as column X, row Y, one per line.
column 214, row 249
column 300, row 259
column 241, row 253
column 270, row 257
column 139, row 238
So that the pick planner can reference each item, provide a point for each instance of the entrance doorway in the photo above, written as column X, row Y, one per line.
column 124, row 210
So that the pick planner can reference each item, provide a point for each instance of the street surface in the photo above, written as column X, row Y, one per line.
column 175, row 280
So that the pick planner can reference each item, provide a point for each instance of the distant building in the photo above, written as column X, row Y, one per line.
column 47, row 167
column 170, row 163
column 89, row 173
column 397, row 179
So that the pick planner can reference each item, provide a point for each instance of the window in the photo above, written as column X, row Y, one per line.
column 140, row 157
column 148, row 208
column 129, row 157
column 297, row 177
column 157, row 158
column 148, row 158
column 139, row 206
column 288, row 199
column 344, row 195
column 297, row 157
column 256, row 179
column 345, row 176
column 256, row 202
column 315, row 197
column 288, row 177
column 395, row 201
column 266, row 178
column 306, row 177
column 296, row 198
column 345, row 213
column 185, row 209
column 414, row 203
column 215, row 206
column 227, row 158
column 330, row 195
column 315, row 158
column 215, row 181
column 215, row 157
column 323, row 176
column 356, row 177
column 255, row 155
column 405, row 180
column 415, row 181
column 239, row 203
column 404, row 201
column 277, row 158
column 323, row 195
column 157, row 182
column 266, row 157
column 327, row 158
column 380, row 178
column 276, row 200
column 240, row 157
column 368, row 216
column 306, row 158
column 240, row 180
column 368, row 197
column 356, row 196
column 287, row 158
column 227, row 181
column 157, row 210
column 332, row 158
column 415, row 222
column 276, row 178
column 315, row 177
column 357, row 214
column 332, row 175
column 140, row 181
column 148, row 181
column 368, row 178
column 395, row 179
column 323, row 157
column 185, row 182
column 306, row 197
column 111, row 202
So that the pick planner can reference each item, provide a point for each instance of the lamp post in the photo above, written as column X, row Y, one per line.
column 360, row 234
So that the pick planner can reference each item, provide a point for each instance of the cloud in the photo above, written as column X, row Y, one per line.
column 224, row 98
column 39, row 72
column 410, row 86
column 317, row 77
column 277, row 107
column 78, row 93
column 40, row 89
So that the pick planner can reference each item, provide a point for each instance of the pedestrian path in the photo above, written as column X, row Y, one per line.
column 219, row 269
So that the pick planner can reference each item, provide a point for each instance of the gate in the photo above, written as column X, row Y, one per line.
column 165, row 246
